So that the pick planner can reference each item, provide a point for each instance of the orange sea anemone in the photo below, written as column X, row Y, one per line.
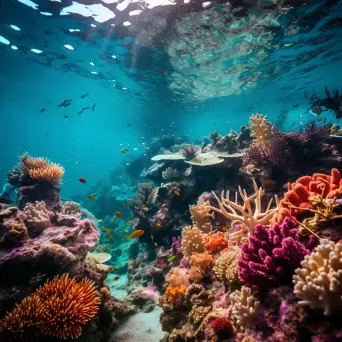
column 216, row 242
column 60, row 308
column 41, row 169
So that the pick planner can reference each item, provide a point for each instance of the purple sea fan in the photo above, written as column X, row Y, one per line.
column 272, row 255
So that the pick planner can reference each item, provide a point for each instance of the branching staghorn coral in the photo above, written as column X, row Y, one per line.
column 250, row 213
column 200, row 216
column 244, row 306
column 318, row 283
column 37, row 216
column 72, row 208
column 170, row 174
column 226, row 265
column 145, row 197
column 41, row 169
column 261, row 130
column 193, row 240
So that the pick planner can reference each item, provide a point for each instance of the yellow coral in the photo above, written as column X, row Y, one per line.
column 201, row 216
column 261, row 129
column 197, row 314
column 175, row 293
column 226, row 265
column 193, row 240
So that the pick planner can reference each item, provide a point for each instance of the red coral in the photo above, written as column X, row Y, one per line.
column 222, row 327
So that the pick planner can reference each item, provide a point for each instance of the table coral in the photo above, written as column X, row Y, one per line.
column 318, row 282
column 272, row 255
column 244, row 306
column 193, row 240
column 216, row 242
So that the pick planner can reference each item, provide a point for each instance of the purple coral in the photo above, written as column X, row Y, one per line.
column 272, row 255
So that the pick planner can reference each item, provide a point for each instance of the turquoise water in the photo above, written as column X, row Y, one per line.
column 176, row 69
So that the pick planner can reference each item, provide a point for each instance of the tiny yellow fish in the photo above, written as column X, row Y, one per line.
column 159, row 204
column 128, row 223
column 91, row 197
column 123, row 205
column 156, row 244
column 158, row 225
column 110, row 238
column 135, row 234
column 177, row 193
column 115, row 269
column 106, row 230
column 224, row 229
column 152, row 237
column 171, row 258
column 118, row 214
column 116, row 278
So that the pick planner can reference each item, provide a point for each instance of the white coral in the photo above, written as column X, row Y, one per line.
column 201, row 216
column 193, row 240
column 244, row 307
column 319, row 281
column 261, row 129
column 37, row 216
column 72, row 208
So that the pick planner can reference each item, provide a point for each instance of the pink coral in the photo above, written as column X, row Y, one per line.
column 272, row 255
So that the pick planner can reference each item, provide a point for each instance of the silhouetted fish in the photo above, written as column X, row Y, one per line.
column 68, row 104
column 296, row 105
column 65, row 103
column 84, row 95
column 43, row 110
column 66, row 116
column 94, row 106
column 87, row 107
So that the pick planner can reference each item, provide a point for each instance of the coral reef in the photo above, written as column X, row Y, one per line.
column 261, row 130
column 171, row 174
column 37, row 216
column 193, row 240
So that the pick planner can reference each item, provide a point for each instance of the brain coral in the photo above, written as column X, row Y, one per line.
column 192, row 240
column 319, row 280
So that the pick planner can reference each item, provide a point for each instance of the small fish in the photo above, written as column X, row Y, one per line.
column 91, row 197
column 158, row 225
column 106, row 230
column 83, row 96
column 152, row 237
column 321, row 120
column 135, row 149
column 159, row 204
column 94, row 106
column 317, row 110
column 171, row 258
column 123, row 150
column 118, row 214
column 66, row 116
column 43, row 110
column 177, row 193
column 300, row 116
column 116, row 278
column 115, row 269
column 123, row 205
column 295, row 105
column 68, row 104
column 49, row 102
column 224, row 229
column 87, row 107
column 82, row 180
column 110, row 238
column 156, row 244
column 145, row 208
column 128, row 125
column 128, row 223
column 135, row 234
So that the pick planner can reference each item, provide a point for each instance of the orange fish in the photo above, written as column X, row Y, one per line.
column 224, row 229
column 123, row 205
column 118, row 214
column 115, row 269
column 110, row 238
column 135, row 234
column 158, row 225
column 82, row 180
column 116, row 278
column 106, row 230
column 177, row 193
column 91, row 197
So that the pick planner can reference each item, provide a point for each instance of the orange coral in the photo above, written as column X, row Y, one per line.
column 195, row 275
column 41, row 169
column 202, row 260
column 216, row 242
column 175, row 293
column 303, row 193
column 60, row 308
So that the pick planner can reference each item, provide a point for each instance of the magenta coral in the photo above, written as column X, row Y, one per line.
column 272, row 255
